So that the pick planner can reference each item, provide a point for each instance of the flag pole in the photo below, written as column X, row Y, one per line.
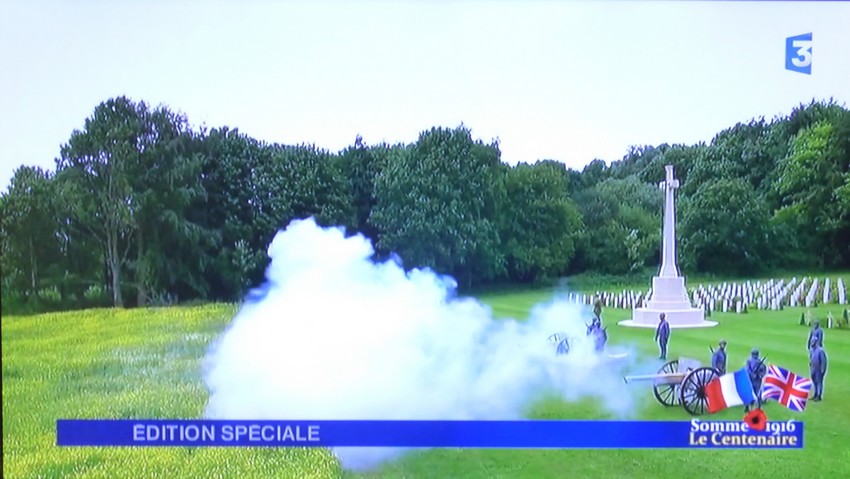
column 758, row 395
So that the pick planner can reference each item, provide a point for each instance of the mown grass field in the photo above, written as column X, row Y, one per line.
column 147, row 364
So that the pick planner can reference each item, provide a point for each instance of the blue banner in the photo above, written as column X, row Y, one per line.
column 427, row 434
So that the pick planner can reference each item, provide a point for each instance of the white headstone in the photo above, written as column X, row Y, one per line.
column 826, row 291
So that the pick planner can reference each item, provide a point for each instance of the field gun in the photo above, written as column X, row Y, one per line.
column 680, row 382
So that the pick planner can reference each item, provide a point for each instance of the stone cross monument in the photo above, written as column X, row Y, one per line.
column 668, row 239
column 669, row 295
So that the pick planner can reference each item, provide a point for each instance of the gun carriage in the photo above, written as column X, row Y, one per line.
column 680, row 382
column 564, row 343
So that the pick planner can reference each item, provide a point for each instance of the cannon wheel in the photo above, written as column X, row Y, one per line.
column 563, row 347
column 694, row 399
column 668, row 394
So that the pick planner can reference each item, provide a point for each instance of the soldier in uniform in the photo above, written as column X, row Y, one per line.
column 595, row 325
column 817, row 366
column 662, row 335
column 718, row 359
column 756, row 370
column 816, row 335
column 600, row 339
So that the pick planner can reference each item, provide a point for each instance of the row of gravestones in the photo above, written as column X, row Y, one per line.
column 738, row 297
column 772, row 294
column 829, row 322
column 623, row 300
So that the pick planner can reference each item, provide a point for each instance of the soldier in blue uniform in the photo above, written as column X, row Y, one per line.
column 601, row 337
column 756, row 370
column 816, row 335
column 662, row 335
column 718, row 359
column 817, row 366
column 595, row 325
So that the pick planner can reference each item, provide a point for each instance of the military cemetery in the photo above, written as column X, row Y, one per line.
column 532, row 219
column 715, row 322
column 737, row 297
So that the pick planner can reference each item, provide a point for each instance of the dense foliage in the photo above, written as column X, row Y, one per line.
column 143, row 209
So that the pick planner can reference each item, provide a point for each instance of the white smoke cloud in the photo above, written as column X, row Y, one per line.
column 336, row 336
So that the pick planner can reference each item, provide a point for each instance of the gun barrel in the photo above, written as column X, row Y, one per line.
column 657, row 378
column 645, row 377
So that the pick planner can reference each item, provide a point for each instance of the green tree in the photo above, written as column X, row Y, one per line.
column 235, row 209
column 622, row 219
column 711, row 163
column 304, row 181
column 98, row 163
column 810, row 182
column 540, row 222
column 593, row 173
column 167, row 186
column 362, row 165
column 640, row 160
column 639, row 217
column 724, row 228
column 437, row 205
column 30, row 242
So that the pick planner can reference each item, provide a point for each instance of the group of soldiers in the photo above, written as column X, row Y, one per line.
column 756, row 369
column 755, row 366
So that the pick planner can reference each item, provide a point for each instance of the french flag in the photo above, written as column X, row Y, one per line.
column 733, row 389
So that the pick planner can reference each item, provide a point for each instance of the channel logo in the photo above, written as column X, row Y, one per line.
column 798, row 53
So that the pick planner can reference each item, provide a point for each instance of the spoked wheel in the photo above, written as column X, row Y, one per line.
column 668, row 394
column 561, row 342
column 563, row 347
column 693, row 390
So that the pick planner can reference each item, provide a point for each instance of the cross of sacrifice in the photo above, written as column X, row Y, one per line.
column 669, row 183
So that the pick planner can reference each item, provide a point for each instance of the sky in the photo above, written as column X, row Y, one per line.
column 571, row 81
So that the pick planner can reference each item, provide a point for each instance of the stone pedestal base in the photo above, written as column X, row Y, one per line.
column 669, row 296
column 678, row 319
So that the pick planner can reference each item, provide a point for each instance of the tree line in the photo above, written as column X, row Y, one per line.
column 144, row 209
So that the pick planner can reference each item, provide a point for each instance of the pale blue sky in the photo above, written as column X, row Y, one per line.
column 567, row 80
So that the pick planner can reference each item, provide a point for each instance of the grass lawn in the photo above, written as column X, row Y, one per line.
column 122, row 364
column 147, row 364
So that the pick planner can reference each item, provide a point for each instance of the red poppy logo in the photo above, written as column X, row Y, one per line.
column 756, row 419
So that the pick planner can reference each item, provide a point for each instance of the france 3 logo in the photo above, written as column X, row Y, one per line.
column 798, row 53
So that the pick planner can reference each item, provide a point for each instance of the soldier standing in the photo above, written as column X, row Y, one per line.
column 662, row 335
column 601, row 338
column 756, row 370
column 595, row 324
column 817, row 366
column 718, row 359
column 816, row 335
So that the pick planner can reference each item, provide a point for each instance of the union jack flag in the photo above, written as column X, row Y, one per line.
column 789, row 389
